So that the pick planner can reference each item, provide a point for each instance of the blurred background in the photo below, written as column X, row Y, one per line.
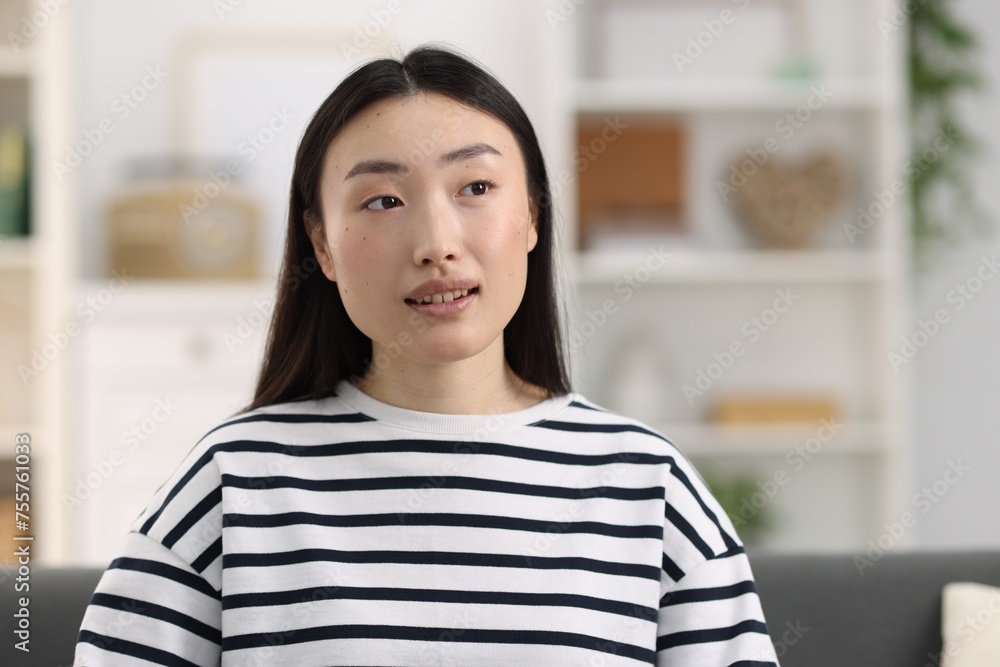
column 775, row 217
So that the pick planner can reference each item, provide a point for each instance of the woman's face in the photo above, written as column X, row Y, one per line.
column 427, row 225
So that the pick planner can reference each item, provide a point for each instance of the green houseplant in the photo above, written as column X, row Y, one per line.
column 941, row 69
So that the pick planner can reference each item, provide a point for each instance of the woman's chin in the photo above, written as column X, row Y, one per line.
column 428, row 353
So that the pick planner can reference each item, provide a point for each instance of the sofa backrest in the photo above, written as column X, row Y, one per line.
column 821, row 609
column 882, row 610
column 57, row 599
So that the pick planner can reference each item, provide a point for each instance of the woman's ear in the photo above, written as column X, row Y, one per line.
column 317, row 234
column 532, row 225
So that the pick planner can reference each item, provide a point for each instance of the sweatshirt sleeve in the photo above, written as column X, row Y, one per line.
column 709, row 611
column 712, row 617
column 150, row 607
column 160, row 600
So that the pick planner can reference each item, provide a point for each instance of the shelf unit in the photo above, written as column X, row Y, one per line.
column 17, row 254
column 697, row 301
column 37, row 272
column 165, row 362
column 19, row 263
column 705, row 441
column 763, row 266
column 635, row 345
column 721, row 95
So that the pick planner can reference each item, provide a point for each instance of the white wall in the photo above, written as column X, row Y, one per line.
column 958, row 372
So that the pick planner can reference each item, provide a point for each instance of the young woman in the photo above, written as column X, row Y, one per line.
column 414, row 483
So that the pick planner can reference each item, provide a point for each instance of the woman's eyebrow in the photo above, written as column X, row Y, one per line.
column 390, row 167
column 376, row 167
column 468, row 152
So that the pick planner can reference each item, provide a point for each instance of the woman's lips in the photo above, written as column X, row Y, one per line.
column 441, row 297
column 444, row 308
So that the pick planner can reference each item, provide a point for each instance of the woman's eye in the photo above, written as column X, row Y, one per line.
column 383, row 203
column 477, row 188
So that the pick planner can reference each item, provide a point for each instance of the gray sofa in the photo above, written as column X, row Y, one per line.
column 58, row 598
column 820, row 610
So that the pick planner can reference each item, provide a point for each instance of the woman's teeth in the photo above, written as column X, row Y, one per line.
column 443, row 297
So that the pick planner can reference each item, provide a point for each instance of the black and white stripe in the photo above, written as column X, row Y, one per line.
column 343, row 531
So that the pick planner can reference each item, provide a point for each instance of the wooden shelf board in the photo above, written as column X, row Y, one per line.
column 17, row 253
column 687, row 266
column 715, row 441
column 598, row 96
column 15, row 63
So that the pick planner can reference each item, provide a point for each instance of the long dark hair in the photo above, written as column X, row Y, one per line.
column 312, row 343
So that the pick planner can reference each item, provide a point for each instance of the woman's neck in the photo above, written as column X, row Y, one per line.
column 484, row 384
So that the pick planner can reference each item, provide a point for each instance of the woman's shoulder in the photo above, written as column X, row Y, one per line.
column 281, row 420
column 277, row 428
column 281, row 428
column 583, row 415
column 689, row 499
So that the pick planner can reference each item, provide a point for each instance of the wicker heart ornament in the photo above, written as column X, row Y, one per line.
column 784, row 206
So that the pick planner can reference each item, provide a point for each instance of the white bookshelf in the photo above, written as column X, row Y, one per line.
column 855, row 300
column 37, row 272
column 696, row 303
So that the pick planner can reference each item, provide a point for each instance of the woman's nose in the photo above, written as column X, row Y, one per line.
column 437, row 230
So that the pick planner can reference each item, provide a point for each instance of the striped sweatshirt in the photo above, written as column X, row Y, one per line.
column 347, row 531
